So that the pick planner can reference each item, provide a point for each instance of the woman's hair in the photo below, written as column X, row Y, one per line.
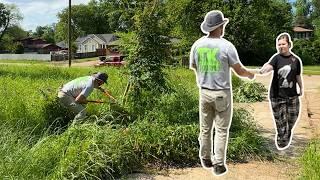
column 285, row 36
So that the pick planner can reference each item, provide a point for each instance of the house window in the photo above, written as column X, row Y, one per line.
column 79, row 48
column 93, row 48
column 85, row 48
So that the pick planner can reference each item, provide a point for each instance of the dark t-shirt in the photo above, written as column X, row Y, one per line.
column 285, row 70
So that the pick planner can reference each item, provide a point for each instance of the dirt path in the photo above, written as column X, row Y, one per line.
column 286, row 167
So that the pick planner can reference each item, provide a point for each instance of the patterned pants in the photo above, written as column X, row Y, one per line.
column 285, row 112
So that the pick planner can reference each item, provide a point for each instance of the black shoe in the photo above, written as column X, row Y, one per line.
column 282, row 143
column 207, row 163
column 219, row 169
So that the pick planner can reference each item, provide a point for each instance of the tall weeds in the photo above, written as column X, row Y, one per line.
column 40, row 140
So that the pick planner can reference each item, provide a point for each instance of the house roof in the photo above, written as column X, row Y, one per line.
column 106, row 38
column 301, row 29
column 41, row 46
column 62, row 44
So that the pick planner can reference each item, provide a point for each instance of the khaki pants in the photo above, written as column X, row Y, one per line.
column 69, row 102
column 215, row 113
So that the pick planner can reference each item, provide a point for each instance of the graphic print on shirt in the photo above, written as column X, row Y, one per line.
column 208, row 62
column 283, row 74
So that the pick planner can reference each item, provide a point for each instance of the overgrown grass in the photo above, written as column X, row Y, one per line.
column 41, row 142
column 310, row 161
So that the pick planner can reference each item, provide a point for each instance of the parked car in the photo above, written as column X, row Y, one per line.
column 111, row 60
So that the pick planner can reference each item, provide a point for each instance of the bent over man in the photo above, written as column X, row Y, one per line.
column 74, row 94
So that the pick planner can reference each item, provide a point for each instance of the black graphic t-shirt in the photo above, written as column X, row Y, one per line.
column 285, row 70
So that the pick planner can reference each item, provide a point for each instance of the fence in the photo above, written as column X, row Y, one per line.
column 43, row 57
column 62, row 57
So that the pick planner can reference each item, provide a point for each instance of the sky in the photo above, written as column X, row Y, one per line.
column 40, row 12
column 43, row 12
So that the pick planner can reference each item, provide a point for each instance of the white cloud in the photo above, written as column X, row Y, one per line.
column 41, row 12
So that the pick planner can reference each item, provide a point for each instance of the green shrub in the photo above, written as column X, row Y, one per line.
column 245, row 142
column 247, row 91
column 305, row 50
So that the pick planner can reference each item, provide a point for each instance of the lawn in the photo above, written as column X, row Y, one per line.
column 47, row 62
column 311, row 70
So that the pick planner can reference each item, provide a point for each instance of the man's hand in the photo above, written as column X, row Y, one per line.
column 105, row 92
column 101, row 89
column 81, row 99
column 251, row 76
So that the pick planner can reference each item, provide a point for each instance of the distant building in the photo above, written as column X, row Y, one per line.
column 93, row 43
column 302, row 33
column 37, row 45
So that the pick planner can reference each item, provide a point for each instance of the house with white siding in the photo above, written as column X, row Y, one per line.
column 92, row 42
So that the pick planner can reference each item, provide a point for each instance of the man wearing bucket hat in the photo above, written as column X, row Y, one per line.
column 73, row 95
column 211, row 58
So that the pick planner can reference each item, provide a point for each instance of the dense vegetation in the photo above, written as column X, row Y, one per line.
column 40, row 141
column 253, row 25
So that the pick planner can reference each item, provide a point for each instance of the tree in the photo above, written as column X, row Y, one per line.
column 315, row 17
column 9, row 40
column 146, row 56
column 86, row 19
column 252, row 28
column 9, row 16
column 120, row 13
column 46, row 32
column 302, row 14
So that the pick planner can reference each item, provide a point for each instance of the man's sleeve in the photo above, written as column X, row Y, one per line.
column 232, row 54
column 193, row 56
column 88, row 90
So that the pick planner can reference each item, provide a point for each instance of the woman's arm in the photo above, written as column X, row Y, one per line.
column 266, row 68
column 299, row 81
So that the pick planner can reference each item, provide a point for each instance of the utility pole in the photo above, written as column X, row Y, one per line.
column 69, row 34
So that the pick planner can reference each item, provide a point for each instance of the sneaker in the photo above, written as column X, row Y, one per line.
column 207, row 163
column 219, row 169
column 282, row 144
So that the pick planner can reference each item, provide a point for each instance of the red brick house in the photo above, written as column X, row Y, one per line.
column 37, row 45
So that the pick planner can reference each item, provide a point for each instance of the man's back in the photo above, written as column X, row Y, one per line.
column 82, row 85
column 212, row 58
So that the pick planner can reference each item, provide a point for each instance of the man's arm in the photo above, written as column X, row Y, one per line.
column 299, row 81
column 81, row 99
column 242, row 71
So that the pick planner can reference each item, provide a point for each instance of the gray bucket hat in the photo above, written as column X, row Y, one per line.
column 213, row 20
column 101, row 76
